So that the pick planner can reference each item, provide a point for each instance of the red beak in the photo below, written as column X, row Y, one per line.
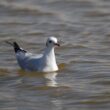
column 57, row 44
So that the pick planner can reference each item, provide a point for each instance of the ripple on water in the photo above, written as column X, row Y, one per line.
column 84, row 56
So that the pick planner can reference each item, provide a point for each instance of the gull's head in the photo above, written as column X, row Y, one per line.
column 52, row 42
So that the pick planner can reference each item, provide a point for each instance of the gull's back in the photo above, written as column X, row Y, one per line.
column 28, row 61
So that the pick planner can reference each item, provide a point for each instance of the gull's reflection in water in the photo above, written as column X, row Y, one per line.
column 38, row 79
column 51, row 79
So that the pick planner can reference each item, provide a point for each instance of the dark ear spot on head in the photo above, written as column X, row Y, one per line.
column 50, row 41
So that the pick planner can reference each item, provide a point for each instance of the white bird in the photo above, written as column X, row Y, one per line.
column 45, row 62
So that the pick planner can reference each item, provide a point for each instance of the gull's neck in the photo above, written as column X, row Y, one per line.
column 49, row 55
column 49, row 59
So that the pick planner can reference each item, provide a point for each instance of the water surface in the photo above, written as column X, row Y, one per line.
column 83, row 28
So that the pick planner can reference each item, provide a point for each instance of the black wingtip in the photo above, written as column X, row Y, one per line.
column 16, row 47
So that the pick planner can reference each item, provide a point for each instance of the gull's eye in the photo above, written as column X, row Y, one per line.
column 50, row 41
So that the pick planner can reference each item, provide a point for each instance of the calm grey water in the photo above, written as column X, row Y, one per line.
column 83, row 28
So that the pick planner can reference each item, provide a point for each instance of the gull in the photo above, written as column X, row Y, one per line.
column 45, row 62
